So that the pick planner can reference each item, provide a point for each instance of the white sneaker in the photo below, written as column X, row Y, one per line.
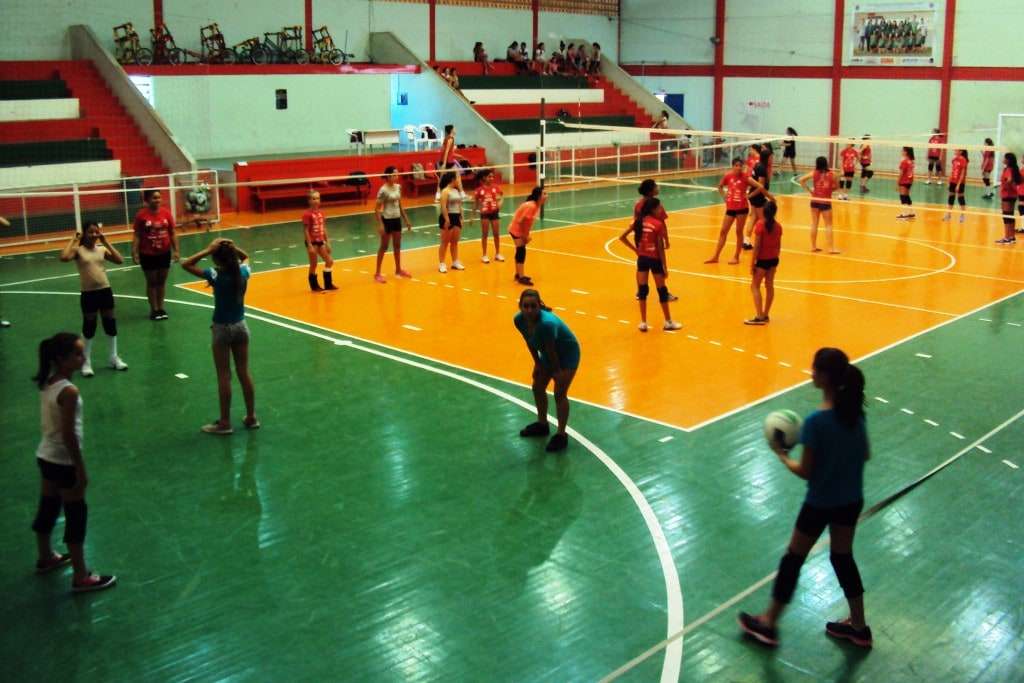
column 642, row 327
column 927, row 182
column 442, row 268
column 87, row 369
column 485, row 259
column 457, row 265
column 946, row 217
column 499, row 257
column 7, row 323
column 118, row 364
column 672, row 326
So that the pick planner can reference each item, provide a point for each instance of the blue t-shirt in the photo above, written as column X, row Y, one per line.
column 551, row 328
column 228, row 303
column 838, row 475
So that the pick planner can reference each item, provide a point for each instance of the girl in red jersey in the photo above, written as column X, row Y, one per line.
column 957, row 183
column 848, row 159
column 824, row 184
column 519, row 229
column 390, row 217
column 488, row 205
column 865, row 164
column 1008, row 183
column 905, row 181
column 935, row 157
column 769, row 163
column 988, row 164
column 154, row 245
column 315, row 230
column 753, row 158
column 1020, row 201
column 767, row 246
column 649, row 188
column 648, row 233
column 733, row 188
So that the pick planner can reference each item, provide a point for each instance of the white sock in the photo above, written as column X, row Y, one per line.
column 88, row 351
column 113, row 346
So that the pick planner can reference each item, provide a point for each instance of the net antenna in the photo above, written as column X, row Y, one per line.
column 541, row 150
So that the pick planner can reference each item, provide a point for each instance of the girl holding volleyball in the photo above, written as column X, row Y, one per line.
column 834, row 451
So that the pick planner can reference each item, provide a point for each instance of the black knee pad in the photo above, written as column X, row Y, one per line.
column 904, row 199
column 1008, row 221
column 848, row 575
column 785, row 581
column 88, row 328
column 963, row 202
column 642, row 291
column 521, row 254
column 46, row 517
column 76, row 513
column 987, row 181
column 951, row 199
column 110, row 326
column 871, row 174
column 663, row 294
column 1020, row 207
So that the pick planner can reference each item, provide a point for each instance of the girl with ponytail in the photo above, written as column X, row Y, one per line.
column 61, row 464
column 229, row 279
column 767, row 247
column 835, row 449
column 648, row 232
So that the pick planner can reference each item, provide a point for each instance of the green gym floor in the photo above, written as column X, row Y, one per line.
column 387, row 523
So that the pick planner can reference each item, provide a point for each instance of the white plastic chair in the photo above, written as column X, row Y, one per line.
column 412, row 134
column 426, row 138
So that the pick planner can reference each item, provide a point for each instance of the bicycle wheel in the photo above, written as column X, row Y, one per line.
column 333, row 56
column 175, row 56
column 260, row 55
column 226, row 56
column 143, row 56
column 299, row 57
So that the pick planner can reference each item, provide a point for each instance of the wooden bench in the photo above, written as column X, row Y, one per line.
column 333, row 190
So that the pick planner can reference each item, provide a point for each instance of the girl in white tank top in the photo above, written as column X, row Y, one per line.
column 60, row 462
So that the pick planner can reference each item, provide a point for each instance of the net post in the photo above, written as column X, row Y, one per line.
column 24, row 216
column 572, row 162
column 659, row 155
column 542, row 155
column 124, row 200
column 78, row 207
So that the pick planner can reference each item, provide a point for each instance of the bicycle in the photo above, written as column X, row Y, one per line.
column 249, row 50
column 214, row 49
column 326, row 52
column 276, row 48
column 166, row 51
column 128, row 48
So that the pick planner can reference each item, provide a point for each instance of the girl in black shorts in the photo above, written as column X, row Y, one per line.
column 89, row 251
column 757, row 197
column 390, row 216
column 835, row 449
column 61, row 464
column 648, row 232
column 789, row 148
column 450, row 220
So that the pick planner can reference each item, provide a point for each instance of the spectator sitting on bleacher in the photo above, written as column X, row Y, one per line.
column 524, row 53
column 595, row 59
column 571, row 56
column 480, row 56
column 454, row 79
column 515, row 57
column 540, row 62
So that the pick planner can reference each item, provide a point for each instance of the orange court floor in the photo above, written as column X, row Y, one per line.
column 892, row 280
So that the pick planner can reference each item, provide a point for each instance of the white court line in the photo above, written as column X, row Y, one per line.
column 1015, row 325
column 933, row 423
column 413, row 328
column 922, row 355
column 957, row 435
column 665, row 439
column 1010, row 464
column 181, row 375
column 908, row 411
column 880, row 399
column 818, row 547
column 578, row 291
column 983, row 449
column 672, row 666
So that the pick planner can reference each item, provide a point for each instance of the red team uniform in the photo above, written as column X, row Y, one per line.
column 653, row 231
column 821, row 191
column 934, row 153
column 849, row 158
column 154, row 231
column 906, row 173
column 771, row 245
column 735, row 194
column 314, row 222
column 660, row 214
column 988, row 161
column 488, row 199
column 957, row 174
column 1007, row 188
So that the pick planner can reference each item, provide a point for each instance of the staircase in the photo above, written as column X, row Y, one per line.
column 101, row 115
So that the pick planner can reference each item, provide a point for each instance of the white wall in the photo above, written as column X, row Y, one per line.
column 37, row 29
column 660, row 32
column 801, row 103
column 698, row 92
column 222, row 116
column 410, row 22
column 985, row 32
column 889, row 108
column 975, row 108
column 593, row 28
column 459, row 27
column 780, row 32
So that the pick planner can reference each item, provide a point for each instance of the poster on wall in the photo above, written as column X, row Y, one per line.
column 893, row 34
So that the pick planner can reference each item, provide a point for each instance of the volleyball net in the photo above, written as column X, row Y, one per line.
column 572, row 155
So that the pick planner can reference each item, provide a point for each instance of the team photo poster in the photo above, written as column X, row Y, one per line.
column 893, row 34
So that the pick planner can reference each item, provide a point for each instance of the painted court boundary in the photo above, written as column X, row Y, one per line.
column 818, row 547
column 672, row 666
